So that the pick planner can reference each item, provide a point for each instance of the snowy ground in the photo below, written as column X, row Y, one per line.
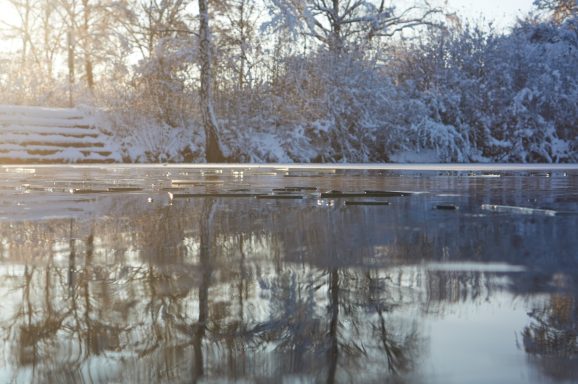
column 84, row 135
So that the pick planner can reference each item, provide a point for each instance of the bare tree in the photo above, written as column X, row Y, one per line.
column 92, row 29
column 335, row 23
column 560, row 9
column 237, row 36
column 213, row 151
column 146, row 22
column 39, row 36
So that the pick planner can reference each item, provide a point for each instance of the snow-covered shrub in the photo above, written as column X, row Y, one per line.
column 326, row 108
column 153, row 113
column 443, row 73
column 24, row 85
column 490, row 97
column 142, row 139
column 537, row 61
column 161, row 82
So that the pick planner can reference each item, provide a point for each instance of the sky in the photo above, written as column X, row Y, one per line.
column 503, row 12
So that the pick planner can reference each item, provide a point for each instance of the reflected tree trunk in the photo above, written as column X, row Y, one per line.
column 206, row 270
column 395, row 353
column 71, row 262
column 333, row 353
column 242, row 283
column 91, row 342
column 243, row 294
column 28, row 339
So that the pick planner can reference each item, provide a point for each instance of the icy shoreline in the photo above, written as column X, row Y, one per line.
column 325, row 166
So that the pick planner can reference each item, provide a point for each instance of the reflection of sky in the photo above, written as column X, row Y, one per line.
column 469, row 341
column 493, row 356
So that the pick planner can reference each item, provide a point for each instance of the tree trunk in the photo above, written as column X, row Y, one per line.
column 243, row 44
column 213, row 150
column 70, row 49
column 47, row 27
column 336, row 43
column 87, row 47
column 25, row 33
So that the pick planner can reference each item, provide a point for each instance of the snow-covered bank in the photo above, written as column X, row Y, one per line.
column 52, row 135
column 458, row 95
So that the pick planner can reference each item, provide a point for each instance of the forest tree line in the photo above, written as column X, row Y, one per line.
column 302, row 80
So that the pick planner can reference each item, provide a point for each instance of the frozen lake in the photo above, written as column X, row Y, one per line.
column 289, row 274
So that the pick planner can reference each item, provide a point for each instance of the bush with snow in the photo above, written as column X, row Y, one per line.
column 510, row 98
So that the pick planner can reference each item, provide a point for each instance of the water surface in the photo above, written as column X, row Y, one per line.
column 467, row 276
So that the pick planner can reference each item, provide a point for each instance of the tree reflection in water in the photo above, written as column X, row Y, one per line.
column 551, row 338
column 221, row 290
column 154, row 304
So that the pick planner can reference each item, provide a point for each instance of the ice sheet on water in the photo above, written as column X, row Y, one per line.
column 518, row 210
column 475, row 267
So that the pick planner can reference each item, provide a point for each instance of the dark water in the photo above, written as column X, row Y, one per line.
column 130, row 286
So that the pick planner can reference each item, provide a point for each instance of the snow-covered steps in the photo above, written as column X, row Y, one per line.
column 51, row 135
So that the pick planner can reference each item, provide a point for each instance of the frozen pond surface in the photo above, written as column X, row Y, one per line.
column 425, row 274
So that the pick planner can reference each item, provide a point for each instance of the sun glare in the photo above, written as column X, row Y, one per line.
column 10, row 21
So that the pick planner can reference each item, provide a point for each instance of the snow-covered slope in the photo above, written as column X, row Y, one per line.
column 51, row 135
